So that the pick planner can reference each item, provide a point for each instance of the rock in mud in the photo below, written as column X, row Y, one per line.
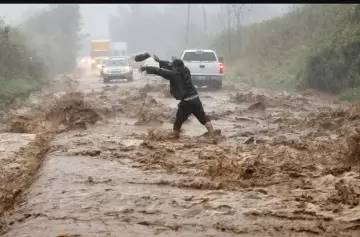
column 246, row 134
column 257, row 106
column 347, row 194
column 250, row 140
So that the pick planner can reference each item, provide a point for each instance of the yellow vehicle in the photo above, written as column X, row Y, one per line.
column 100, row 49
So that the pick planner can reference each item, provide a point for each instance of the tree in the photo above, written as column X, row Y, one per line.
column 234, row 15
column 55, row 35
column 20, row 73
column 239, row 11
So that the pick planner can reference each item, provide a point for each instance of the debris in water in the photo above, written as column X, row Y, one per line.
column 250, row 140
column 72, row 111
column 257, row 106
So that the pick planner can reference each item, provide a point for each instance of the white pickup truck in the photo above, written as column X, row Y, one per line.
column 205, row 66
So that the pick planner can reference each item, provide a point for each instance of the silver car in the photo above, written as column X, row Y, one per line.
column 117, row 68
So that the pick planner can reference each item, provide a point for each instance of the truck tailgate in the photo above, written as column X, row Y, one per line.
column 203, row 68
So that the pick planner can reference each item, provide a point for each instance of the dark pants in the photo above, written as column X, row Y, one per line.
column 186, row 108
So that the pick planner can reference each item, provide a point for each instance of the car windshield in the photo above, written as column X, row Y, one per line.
column 116, row 63
column 200, row 56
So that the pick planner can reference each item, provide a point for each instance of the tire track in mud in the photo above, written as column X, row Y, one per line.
column 286, row 165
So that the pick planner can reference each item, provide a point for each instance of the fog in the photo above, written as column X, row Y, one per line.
column 160, row 28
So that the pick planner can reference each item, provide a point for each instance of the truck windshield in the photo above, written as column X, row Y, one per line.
column 114, row 63
column 199, row 56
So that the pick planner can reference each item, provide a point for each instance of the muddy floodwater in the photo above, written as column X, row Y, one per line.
column 98, row 162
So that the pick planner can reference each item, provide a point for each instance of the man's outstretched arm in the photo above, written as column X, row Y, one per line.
column 162, row 63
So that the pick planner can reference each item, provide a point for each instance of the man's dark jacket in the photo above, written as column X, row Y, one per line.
column 181, row 86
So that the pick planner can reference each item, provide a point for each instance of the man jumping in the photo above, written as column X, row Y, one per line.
column 181, row 88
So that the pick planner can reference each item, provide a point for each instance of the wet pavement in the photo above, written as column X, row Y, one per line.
column 282, row 166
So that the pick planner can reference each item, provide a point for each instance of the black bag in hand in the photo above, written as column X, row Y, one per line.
column 141, row 57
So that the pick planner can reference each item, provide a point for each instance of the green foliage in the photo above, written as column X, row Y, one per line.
column 335, row 67
column 19, row 75
column 316, row 46
column 44, row 45
column 55, row 35
column 350, row 94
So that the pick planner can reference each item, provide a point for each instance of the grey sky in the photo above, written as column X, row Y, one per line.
column 95, row 16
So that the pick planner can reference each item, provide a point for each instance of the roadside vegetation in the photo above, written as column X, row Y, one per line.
column 314, row 46
column 44, row 45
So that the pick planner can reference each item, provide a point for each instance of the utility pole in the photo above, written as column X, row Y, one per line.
column 204, row 18
column 187, row 26
column 229, row 19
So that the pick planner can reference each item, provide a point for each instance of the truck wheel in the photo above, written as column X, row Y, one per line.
column 106, row 80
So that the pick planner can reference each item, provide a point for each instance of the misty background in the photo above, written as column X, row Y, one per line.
column 158, row 28
column 277, row 46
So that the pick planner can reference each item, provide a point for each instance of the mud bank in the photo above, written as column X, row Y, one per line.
column 27, row 139
column 10, row 146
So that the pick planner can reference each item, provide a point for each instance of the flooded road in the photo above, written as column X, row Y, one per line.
column 285, row 165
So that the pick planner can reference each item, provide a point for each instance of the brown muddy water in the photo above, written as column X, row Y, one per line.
column 286, row 164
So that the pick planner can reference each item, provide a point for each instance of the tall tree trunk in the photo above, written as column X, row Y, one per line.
column 187, row 25
column 205, row 22
column 229, row 28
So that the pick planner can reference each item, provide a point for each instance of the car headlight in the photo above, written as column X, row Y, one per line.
column 93, row 61
column 105, row 70
column 126, row 69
